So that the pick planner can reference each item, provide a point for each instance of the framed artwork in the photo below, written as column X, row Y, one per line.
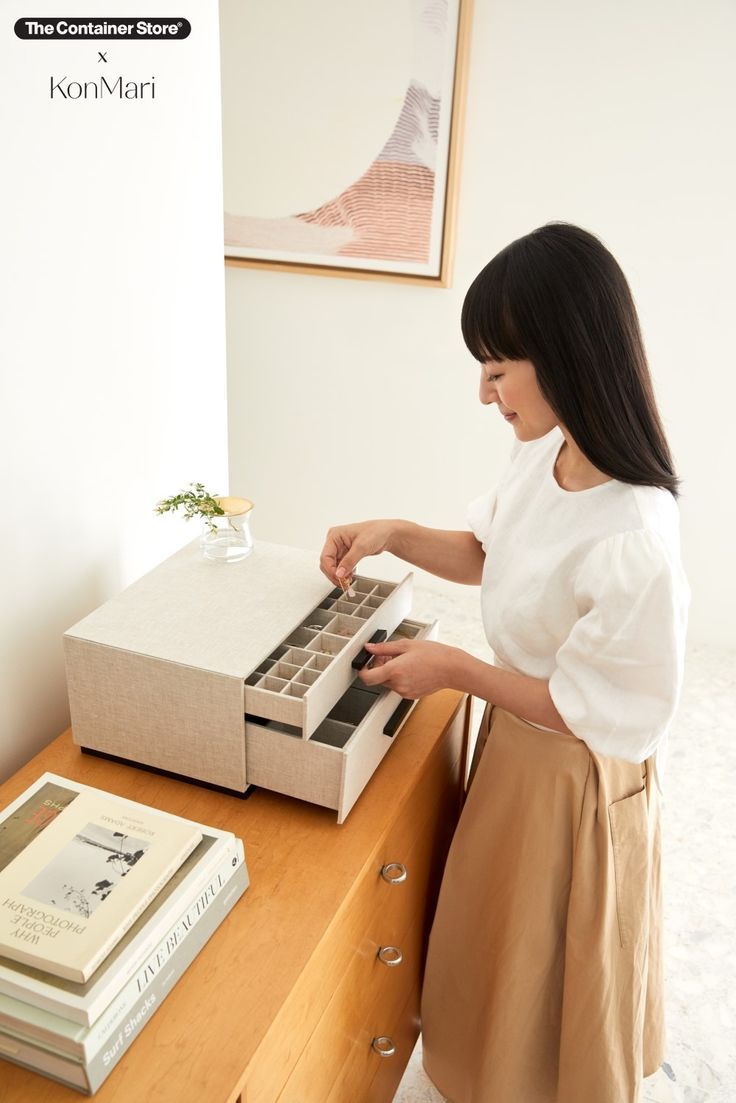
column 341, row 134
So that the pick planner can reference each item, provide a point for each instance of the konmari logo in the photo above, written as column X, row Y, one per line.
column 64, row 89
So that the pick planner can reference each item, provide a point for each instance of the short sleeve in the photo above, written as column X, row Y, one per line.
column 480, row 511
column 480, row 514
column 619, row 672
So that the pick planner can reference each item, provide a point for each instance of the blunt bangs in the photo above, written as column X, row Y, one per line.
column 558, row 298
column 488, row 325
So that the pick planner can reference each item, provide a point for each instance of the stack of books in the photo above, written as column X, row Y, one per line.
column 103, row 905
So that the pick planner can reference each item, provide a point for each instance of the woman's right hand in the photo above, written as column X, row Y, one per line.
column 346, row 545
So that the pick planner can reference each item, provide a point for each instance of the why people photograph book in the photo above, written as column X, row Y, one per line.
column 84, row 1002
column 71, row 886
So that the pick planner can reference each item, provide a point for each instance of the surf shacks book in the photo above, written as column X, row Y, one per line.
column 76, row 870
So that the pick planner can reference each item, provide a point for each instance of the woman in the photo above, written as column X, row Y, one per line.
column 543, row 978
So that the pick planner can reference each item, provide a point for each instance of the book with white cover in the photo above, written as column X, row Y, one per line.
column 42, row 1028
column 88, row 1075
column 68, row 894
column 84, row 1003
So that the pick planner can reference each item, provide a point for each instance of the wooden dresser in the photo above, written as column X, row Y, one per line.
column 319, row 965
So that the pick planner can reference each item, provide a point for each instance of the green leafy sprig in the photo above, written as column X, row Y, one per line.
column 196, row 502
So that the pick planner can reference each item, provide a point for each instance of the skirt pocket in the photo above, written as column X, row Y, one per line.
column 629, row 836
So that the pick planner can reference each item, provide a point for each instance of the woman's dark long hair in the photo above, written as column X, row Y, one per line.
column 558, row 298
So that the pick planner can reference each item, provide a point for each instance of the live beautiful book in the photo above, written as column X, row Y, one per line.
column 76, row 870
column 84, row 1058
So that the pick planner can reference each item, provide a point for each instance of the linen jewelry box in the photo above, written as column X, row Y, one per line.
column 242, row 674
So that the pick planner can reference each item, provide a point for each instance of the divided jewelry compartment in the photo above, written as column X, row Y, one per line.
column 300, row 681
column 332, row 766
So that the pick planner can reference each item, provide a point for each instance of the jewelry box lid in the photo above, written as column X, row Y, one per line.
column 222, row 617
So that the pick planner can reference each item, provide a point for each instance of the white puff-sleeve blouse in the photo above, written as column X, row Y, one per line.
column 586, row 590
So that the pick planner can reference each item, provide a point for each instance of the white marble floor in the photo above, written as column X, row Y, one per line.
column 699, row 816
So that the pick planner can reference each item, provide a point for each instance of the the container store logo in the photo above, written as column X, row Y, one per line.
column 86, row 28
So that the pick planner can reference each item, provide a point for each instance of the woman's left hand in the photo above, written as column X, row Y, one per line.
column 413, row 668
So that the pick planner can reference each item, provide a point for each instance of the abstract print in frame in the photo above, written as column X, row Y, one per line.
column 341, row 125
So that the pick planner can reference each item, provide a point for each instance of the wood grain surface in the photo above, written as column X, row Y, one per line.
column 240, row 1021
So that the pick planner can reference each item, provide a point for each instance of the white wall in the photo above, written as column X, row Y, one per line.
column 351, row 399
column 113, row 366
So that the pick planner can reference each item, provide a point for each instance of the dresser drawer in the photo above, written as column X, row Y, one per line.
column 387, row 1072
column 428, row 811
column 370, row 995
column 332, row 767
column 299, row 682
column 340, row 1062
column 366, row 1001
column 366, row 1076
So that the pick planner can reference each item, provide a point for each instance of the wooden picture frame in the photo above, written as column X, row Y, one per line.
column 285, row 143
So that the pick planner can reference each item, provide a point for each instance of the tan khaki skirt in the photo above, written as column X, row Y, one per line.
column 543, row 981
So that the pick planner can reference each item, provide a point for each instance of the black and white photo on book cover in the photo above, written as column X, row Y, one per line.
column 85, row 872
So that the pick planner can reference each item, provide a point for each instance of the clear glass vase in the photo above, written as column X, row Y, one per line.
column 229, row 539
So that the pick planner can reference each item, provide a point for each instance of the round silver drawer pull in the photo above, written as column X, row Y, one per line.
column 390, row 955
column 384, row 1046
column 394, row 873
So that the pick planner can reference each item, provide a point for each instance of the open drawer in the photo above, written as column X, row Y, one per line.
column 333, row 765
column 299, row 682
